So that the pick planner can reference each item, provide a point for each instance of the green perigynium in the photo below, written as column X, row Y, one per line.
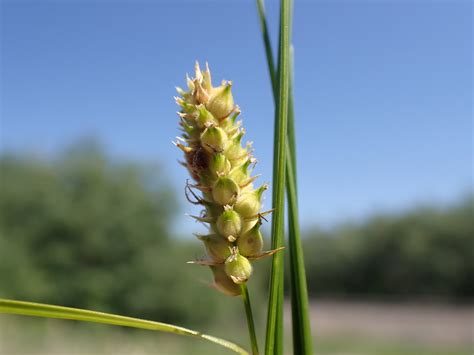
column 221, row 168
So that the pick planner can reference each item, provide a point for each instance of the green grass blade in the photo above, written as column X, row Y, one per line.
column 51, row 311
column 274, row 341
column 268, row 46
column 291, row 123
column 279, row 335
column 302, row 341
column 250, row 321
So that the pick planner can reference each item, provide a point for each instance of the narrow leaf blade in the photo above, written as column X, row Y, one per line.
column 302, row 341
column 274, row 335
column 53, row 311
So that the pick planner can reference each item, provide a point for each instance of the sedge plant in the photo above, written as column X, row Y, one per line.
column 221, row 167
column 222, row 183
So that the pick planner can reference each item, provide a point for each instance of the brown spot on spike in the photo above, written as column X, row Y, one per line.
column 197, row 160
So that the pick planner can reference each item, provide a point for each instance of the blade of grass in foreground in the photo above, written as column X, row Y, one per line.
column 302, row 341
column 51, row 311
column 274, row 338
column 250, row 321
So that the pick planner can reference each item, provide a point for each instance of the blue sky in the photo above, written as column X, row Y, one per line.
column 383, row 90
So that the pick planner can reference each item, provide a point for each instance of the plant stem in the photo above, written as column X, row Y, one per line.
column 274, row 338
column 302, row 342
column 268, row 46
column 250, row 321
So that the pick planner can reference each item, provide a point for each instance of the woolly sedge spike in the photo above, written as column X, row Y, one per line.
column 221, row 168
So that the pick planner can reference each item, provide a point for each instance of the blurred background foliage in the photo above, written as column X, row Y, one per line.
column 89, row 231
column 427, row 252
column 84, row 230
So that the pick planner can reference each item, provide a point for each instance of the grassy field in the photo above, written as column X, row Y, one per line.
column 341, row 328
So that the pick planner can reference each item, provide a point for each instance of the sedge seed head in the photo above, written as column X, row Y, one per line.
column 250, row 243
column 229, row 223
column 221, row 167
column 223, row 282
column 214, row 139
column 221, row 103
column 217, row 247
column 238, row 267
column 225, row 191
column 248, row 204
column 204, row 118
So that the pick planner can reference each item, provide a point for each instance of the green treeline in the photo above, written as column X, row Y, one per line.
column 426, row 252
column 87, row 231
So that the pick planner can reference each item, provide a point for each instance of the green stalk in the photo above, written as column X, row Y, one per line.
column 52, row 311
column 274, row 335
column 250, row 321
column 302, row 341
column 279, row 336
column 291, row 123
column 268, row 46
